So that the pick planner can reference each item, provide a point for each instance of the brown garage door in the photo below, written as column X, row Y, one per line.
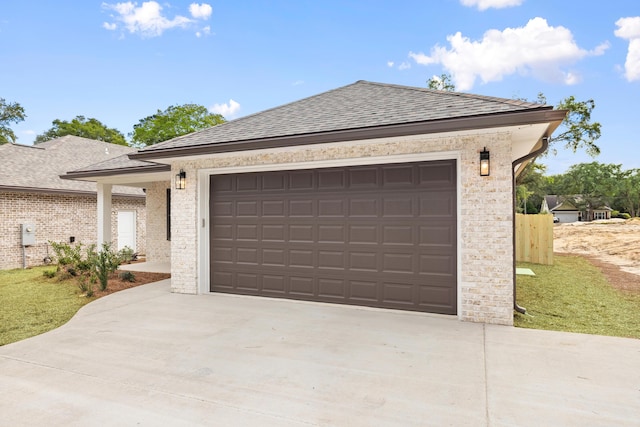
column 381, row 236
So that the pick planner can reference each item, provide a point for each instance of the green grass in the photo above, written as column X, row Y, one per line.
column 31, row 304
column 574, row 296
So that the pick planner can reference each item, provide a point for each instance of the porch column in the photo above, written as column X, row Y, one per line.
column 104, row 214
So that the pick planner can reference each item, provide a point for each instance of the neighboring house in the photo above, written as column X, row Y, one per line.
column 563, row 208
column 32, row 193
column 369, row 194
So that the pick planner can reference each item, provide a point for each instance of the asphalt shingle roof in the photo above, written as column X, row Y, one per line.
column 40, row 166
column 359, row 105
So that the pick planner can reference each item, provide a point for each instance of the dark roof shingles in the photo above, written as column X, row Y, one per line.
column 40, row 166
column 358, row 105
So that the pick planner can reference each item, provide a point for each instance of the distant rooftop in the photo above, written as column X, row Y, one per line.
column 39, row 167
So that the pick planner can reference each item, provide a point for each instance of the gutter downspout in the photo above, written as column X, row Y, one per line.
column 536, row 153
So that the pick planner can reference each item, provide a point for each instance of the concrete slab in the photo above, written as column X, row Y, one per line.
column 147, row 267
column 146, row 356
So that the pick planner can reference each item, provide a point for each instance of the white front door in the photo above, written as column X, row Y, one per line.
column 127, row 229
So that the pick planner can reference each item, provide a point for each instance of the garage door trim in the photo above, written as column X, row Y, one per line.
column 204, row 192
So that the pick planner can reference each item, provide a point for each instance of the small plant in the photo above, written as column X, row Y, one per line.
column 85, row 285
column 106, row 262
column 127, row 276
column 126, row 255
column 50, row 274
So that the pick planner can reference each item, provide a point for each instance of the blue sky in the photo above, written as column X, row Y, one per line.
column 121, row 61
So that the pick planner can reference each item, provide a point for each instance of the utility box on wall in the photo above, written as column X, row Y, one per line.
column 28, row 234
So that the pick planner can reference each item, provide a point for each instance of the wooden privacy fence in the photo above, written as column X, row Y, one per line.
column 534, row 238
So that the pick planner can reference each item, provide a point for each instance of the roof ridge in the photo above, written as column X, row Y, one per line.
column 516, row 102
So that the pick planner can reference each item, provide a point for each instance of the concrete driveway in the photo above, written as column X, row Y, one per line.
column 148, row 357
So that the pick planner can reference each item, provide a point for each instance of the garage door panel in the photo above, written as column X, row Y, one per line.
column 398, row 207
column 437, row 265
column 363, row 178
column 437, row 204
column 274, row 284
column 331, row 179
column 364, row 261
column 301, row 286
column 301, row 208
column 437, row 235
column 246, row 182
column 435, row 174
column 331, row 289
column 364, row 207
column 381, row 236
column 398, row 176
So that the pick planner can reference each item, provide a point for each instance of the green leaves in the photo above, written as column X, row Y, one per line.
column 86, row 128
column 11, row 112
column 173, row 122
column 577, row 130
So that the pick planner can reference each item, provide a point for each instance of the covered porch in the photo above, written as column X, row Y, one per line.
column 155, row 179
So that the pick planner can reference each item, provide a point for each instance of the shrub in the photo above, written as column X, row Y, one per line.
column 126, row 255
column 106, row 262
column 50, row 274
column 127, row 276
column 85, row 284
column 67, row 255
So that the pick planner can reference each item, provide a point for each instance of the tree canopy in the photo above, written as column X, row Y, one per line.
column 585, row 185
column 576, row 131
column 174, row 121
column 81, row 126
column 10, row 112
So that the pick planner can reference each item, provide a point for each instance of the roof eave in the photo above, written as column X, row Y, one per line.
column 112, row 172
column 543, row 115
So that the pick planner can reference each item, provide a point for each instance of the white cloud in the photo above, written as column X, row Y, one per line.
column 109, row 26
column 204, row 32
column 390, row 64
column 200, row 11
column 227, row 110
column 147, row 20
column 297, row 83
column 404, row 66
column 486, row 4
column 629, row 29
column 537, row 49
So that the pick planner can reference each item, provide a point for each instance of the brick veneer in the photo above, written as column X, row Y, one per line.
column 485, row 213
column 56, row 218
column 158, row 247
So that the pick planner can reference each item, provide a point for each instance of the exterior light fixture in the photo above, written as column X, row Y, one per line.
column 485, row 166
column 181, row 179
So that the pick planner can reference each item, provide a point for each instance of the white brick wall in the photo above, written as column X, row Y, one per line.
column 158, row 247
column 485, row 206
column 57, row 218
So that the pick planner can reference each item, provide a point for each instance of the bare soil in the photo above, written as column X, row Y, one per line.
column 613, row 246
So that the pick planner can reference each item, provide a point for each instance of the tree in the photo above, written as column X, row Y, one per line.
column 576, row 131
column 628, row 193
column 11, row 112
column 174, row 121
column 588, row 186
column 442, row 82
column 83, row 127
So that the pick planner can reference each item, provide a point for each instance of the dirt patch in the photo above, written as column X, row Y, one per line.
column 141, row 278
column 612, row 246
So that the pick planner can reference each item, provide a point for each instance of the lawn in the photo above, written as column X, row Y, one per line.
column 32, row 304
column 575, row 296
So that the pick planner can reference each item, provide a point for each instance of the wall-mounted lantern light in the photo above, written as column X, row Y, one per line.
column 181, row 179
column 485, row 166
